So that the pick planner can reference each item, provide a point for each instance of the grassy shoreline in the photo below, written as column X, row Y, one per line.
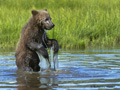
column 78, row 23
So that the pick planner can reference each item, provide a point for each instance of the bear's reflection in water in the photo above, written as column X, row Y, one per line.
column 35, row 81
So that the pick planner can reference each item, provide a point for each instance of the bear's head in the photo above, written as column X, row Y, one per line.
column 43, row 19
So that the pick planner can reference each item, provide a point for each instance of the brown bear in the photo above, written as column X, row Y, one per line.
column 34, row 41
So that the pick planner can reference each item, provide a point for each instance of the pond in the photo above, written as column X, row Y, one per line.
column 89, row 69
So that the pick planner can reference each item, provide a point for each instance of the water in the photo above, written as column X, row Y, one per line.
column 78, row 70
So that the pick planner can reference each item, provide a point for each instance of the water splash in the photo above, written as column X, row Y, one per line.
column 54, row 59
column 44, row 64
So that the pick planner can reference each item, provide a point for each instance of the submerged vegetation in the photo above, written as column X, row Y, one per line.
column 78, row 23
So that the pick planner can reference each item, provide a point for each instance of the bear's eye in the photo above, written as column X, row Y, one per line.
column 46, row 19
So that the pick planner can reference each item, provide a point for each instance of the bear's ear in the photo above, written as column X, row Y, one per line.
column 45, row 9
column 34, row 12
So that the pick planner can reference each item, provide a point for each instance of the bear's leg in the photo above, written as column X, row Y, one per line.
column 22, row 62
column 44, row 62
column 53, row 44
column 54, row 59
column 32, row 62
column 23, row 66
column 44, row 59
column 27, row 62
column 36, row 66
column 42, row 54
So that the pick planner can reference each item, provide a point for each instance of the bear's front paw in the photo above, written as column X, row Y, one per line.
column 56, row 46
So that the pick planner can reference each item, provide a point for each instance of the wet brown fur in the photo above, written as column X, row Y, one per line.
column 30, row 41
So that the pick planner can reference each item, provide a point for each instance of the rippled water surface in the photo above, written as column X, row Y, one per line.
column 78, row 70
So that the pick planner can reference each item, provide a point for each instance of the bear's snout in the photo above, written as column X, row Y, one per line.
column 53, row 25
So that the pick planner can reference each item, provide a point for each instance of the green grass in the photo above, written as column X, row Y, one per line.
column 78, row 23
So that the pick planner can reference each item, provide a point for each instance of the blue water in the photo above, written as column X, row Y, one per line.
column 89, row 69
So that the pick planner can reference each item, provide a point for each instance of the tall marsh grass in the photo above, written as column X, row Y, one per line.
column 78, row 23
